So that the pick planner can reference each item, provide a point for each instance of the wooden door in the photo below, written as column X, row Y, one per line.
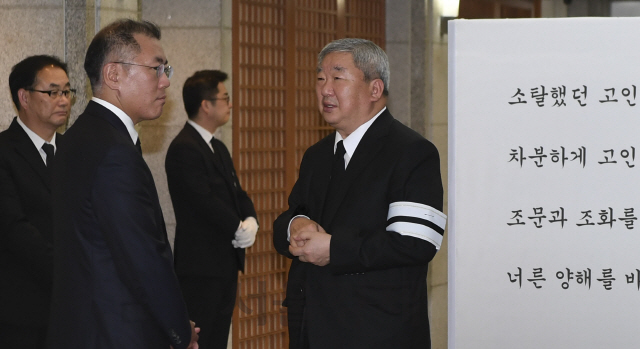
column 475, row 9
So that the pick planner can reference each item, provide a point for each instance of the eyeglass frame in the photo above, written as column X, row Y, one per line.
column 227, row 98
column 160, row 69
column 55, row 94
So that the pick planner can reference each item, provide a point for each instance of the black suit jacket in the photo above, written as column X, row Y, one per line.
column 26, row 254
column 114, row 284
column 209, row 204
column 373, row 293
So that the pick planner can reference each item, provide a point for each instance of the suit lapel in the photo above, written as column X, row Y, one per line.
column 368, row 149
column 223, row 162
column 204, row 148
column 25, row 148
column 228, row 172
column 94, row 110
column 99, row 110
column 321, row 175
column 224, row 170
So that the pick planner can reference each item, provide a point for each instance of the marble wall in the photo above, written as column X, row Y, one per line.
column 28, row 27
column 196, row 34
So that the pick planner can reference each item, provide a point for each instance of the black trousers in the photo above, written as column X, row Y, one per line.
column 210, row 302
column 14, row 336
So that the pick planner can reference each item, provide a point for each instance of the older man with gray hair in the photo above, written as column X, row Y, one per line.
column 365, row 216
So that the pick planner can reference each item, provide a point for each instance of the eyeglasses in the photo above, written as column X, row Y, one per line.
column 227, row 98
column 54, row 94
column 161, row 69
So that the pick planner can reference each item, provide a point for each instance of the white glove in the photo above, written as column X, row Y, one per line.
column 234, row 242
column 246, row 234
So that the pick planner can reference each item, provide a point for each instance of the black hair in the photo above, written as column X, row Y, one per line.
column 24, row 74
column 201, row 85
column 115, row 41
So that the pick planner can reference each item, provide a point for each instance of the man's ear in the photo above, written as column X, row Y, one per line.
column 376, row 87
column 23, row 98
column 111, row 74
column 204, row 105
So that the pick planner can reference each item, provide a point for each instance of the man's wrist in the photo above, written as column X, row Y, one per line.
column 291, row 221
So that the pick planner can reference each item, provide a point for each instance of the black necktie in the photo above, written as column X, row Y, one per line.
column 217, row 153
column 48, row 149
column 139, row 146
column 337, row 167
column 337, row 172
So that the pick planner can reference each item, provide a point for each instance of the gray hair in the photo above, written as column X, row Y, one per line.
column 367, row 56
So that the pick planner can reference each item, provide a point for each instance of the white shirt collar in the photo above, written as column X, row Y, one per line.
column 37, row 140
column 206, row 135
column 351, row 142
column 126, row 120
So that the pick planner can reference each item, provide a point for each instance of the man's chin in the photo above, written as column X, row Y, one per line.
column 59, row 121
column 329, row 119
column 153, row 116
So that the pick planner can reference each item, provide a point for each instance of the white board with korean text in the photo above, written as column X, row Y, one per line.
column 544, row 183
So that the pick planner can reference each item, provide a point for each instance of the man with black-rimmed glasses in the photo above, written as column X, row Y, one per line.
column 42, row 94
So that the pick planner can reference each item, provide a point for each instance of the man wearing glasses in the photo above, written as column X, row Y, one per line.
column 41, row 93
column 114, row 284
column 215, row 219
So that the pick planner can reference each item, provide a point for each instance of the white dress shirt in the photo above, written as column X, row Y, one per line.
column 38, row 141
column 351, row 142
column 126, row 120
column 206, row 135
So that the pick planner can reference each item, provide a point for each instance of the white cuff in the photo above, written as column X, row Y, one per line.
column 289, row 227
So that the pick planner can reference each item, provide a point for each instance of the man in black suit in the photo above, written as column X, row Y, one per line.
column 364, row 217
column 215, row 219
column 41, row 93
column 114, row 283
